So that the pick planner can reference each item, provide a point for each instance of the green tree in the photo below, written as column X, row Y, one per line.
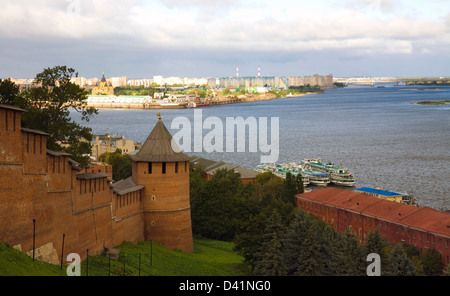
column 197, row 179
column 327, row 240
column 337, row 264
column 401, row 265
column 221, row 206
column 289, row 189
column 447, row 271
column 296, row 241
column 202, row 93
column 299, row 184
column 353, row 260
column 268, row 188
column 10, row 94
column 309, row 262
column 248, row 241
column 271, row 261
column 226, row 92
column 376, row 244
column 49, row 104
column 413, row 253
column 431, row 261
column 121, row 164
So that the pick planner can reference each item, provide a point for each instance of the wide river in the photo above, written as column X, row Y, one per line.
column 377, row 133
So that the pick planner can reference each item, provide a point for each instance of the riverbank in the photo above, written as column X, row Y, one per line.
column 118, row 103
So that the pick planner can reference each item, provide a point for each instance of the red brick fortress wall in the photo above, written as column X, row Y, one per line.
column 44, row 199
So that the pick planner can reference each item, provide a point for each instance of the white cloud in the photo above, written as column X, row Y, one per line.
column 282, row 26
column 242, row 27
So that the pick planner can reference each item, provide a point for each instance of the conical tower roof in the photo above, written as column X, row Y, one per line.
column 158, row 147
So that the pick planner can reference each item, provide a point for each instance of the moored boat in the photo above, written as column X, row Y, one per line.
column 338, row 175
column 281, row 171
column 318, row 178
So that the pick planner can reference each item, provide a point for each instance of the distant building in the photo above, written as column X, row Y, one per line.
column 80, row 81
column 107, row 143
column 249, row 82
column 315, row 80
column 211, row 167
column 24, row 83
column 103, row 87
column 140, row 82
column 271, row 82
column 119, row 81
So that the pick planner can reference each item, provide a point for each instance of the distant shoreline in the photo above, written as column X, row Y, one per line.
column 208, row 102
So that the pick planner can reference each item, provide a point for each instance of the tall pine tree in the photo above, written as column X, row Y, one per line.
column 271, row 261
column 354, row 260
column 295, row 240
column 308, row 260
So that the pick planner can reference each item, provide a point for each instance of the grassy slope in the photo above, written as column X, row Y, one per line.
column 16, row 263
column 210, row 258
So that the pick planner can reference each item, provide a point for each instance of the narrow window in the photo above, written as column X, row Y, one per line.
column 149, row 167
column 176, row 167
column 163, row 167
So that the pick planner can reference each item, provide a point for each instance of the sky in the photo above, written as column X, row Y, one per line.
column 211, row 38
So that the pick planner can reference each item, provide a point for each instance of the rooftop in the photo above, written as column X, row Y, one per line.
column 89, row 176
column 33, row 131
column 159, row 147
column 379, row 191
column 212, row 166
column 424, row 218
column 4, row 106
column 125, row 186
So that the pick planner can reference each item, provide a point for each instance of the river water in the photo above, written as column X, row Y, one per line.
column 377, row 133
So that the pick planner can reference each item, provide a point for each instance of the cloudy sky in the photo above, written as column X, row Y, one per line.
column 210, row 38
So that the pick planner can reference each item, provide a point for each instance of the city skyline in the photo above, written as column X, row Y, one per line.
column 194, row 38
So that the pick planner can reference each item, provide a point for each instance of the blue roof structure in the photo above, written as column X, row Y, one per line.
column 379, row 191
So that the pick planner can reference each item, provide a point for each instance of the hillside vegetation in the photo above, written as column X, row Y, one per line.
column 210, row 258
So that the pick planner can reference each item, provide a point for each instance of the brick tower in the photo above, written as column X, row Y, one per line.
column 165, row 202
